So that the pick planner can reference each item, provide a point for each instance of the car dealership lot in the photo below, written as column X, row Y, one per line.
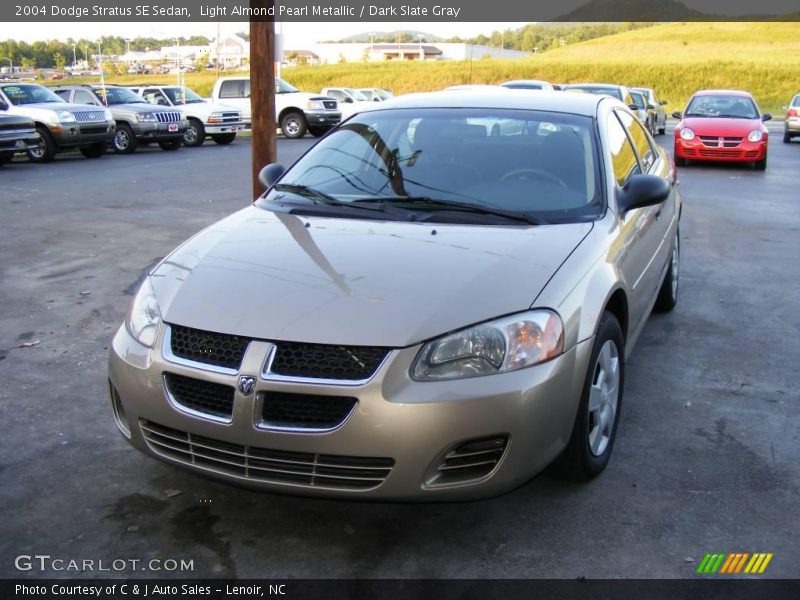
column 706, row 459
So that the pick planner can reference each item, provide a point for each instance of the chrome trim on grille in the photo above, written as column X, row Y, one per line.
column 90, row 116
column 166, row 351
column 173, row 402
column 268, row 375
column 168, row 117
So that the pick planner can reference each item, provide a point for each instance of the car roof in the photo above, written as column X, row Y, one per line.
column 741, row 93
column 581, row 104
column 525, row 81
column 596, row 85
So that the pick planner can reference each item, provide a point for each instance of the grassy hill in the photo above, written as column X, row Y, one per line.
column 676, row 59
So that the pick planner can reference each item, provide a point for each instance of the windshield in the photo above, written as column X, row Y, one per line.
column 607, row 91
column 281, row 87
column 29, row 94
column 529, row 162
column 723, row 106
column 178, row 95
column 116, row 95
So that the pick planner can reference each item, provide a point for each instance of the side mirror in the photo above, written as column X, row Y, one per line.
column 633, row 107
column 348, row 100
column 766, row 117
column 270, row 174
column 664, row 102
column 642, row 190
column 677, row 115
column 650, row 107
column 3, row 105
column 376, row 99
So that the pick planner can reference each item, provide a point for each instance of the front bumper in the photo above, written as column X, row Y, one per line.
column 792, row 125
column 70, row 135
column 744, row 152
column 323, row 118
column 228, row 127
column 413, row 424
column 18, row 141
column 159, row 131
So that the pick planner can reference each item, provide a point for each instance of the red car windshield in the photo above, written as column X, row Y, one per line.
column 722, row 106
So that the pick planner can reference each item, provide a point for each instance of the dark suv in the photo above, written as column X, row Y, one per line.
column 137, row 121
column 17, row 134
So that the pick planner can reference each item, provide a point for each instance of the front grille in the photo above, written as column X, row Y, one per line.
column 715, row 141
column 207, row 347
column 90, row 117
column 720, row 153
column 168, row 117
column 230, row 117
column 264, row 465
column 94, row 129
column 471, row 460
column 202, row 396
column 321, row 361
column 304, row 411
column 330, row 104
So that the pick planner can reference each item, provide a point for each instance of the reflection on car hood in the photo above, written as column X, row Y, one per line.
column 721, row 126
column 346, row 281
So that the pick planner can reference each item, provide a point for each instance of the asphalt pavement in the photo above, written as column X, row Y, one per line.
column 706, row 459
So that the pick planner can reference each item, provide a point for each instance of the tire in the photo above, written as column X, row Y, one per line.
column 4, row 158
column 293, row 125
column 223, row 139
column 761, row 165
column 668, row 294
column 94, row 151
column 195, row 135
column 595, row 428
column 124, row 140
column 318, row 131
column 786, row 137
column 171, row 145
column 46, row 150
column 680, row 161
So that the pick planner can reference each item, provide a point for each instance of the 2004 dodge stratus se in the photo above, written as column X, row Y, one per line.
column 435, row 302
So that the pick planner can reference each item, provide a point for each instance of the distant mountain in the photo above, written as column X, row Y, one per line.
column 407, row 36
column 633, row 10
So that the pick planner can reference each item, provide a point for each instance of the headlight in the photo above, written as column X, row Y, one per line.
column 755, row 136
column 146, row 117
column 499, row 346
column 315, row 105
column 215, row 118
column 109, row 116
column 65, row 116
column 145, row 316
column 687, row 134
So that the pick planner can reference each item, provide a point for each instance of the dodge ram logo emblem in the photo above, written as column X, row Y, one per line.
column 247, row 384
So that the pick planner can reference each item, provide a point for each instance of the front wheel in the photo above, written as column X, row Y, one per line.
column 668, row 294
column 595, row 428
column 786, row 137
column 293, row 125
column 679, row 161
column 124, row 140
column 223, row 139
column 195, row 135
column 317, row 131
column 6, row 157
column 94, row 151
column 761, row 165
column 46, row 150
column 170, row 145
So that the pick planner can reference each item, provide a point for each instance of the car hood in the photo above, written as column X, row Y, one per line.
column 15, row 122
column 345, row 281
column 722, row 126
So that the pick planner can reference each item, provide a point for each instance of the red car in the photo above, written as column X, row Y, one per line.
column 722, row 125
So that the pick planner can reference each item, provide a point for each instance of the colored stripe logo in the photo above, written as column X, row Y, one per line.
column 734, row 563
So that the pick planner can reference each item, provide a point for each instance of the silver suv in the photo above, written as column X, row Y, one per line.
column 59, row 124
column 137, row 120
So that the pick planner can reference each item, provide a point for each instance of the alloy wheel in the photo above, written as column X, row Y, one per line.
column 604, row 398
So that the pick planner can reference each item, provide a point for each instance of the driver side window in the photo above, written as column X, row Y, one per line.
column 623, row 158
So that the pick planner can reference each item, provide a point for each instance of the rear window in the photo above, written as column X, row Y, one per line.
column 609, row 91
column 796, row 101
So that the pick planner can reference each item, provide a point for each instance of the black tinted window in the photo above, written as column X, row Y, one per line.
column 623, row 158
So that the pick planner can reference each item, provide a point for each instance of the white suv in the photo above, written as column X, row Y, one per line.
column 220, row 123
column 295, row 112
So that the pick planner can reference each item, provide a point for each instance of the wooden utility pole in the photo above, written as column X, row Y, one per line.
column 262, row 91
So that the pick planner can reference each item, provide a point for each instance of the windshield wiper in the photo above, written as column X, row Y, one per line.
column 317, row 196
column 441, row 203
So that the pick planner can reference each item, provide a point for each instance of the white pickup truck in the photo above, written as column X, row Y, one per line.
column 220, row 123
column 296, row 112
